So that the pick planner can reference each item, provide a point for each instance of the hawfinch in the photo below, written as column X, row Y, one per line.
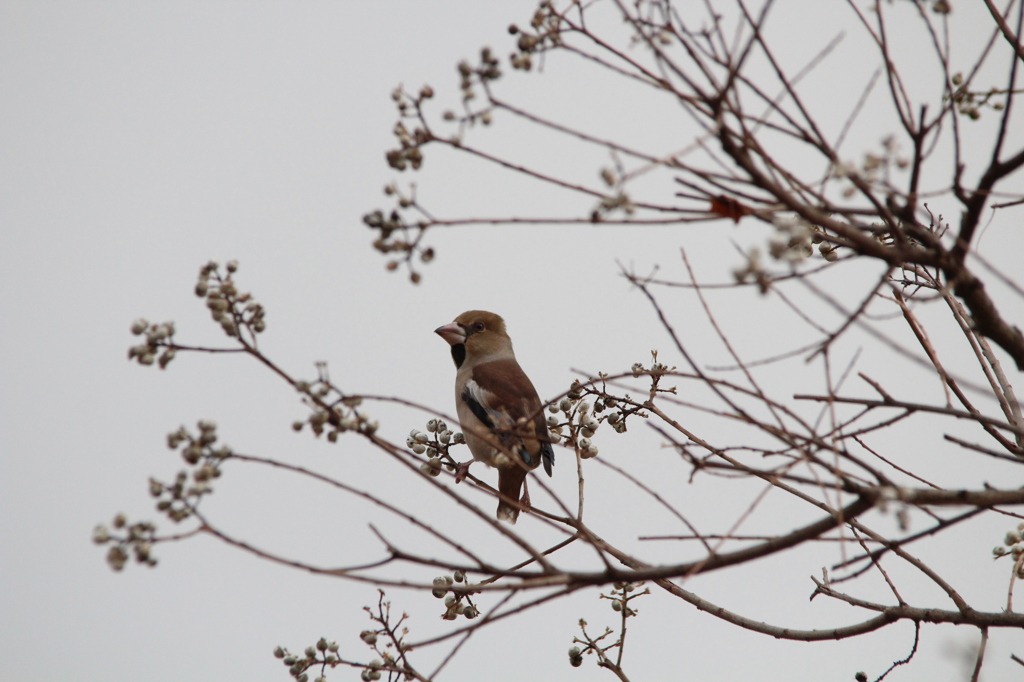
column 498, row 408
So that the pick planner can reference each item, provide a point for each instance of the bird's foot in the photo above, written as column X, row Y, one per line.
column 525, row 499
column 461, row 471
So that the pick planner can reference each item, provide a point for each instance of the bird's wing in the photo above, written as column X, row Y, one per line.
column 501, row 396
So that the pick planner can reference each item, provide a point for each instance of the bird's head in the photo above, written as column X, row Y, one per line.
column 476, row 335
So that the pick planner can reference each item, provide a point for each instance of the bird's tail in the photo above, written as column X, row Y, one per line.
column 510, row 482
column 508, row 512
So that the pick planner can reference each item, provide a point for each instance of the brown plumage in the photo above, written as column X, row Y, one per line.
column 498, row 408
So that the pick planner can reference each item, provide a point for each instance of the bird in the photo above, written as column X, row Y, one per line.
column 500, row 413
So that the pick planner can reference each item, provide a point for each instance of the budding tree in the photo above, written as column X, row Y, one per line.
column 880, row 424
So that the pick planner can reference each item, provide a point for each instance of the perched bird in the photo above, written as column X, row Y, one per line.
column 498, row 408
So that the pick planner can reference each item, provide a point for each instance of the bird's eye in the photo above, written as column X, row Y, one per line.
column 479, row 326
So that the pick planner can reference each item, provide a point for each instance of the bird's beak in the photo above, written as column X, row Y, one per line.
column 452, row 333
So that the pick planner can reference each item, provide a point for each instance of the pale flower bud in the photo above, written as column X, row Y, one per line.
column 100, row 535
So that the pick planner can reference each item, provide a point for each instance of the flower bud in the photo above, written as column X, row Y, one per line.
column 100, row 535
column 117, row 557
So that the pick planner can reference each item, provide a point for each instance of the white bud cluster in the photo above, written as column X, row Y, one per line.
column 435, row 446
column 341, row 417
column 157, row 336
column 409, row 154
column 792, row 240
column 584, row 418
column 136, row 538
column 657, row 369
column 1013, row 546
column 297, row 666
column 547, row 28
column 198, row 450
column 456, row 604
column 229, row 307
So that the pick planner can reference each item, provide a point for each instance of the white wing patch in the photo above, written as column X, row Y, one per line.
column 482, row 403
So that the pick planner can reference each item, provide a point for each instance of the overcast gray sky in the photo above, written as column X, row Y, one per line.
column 139, row 140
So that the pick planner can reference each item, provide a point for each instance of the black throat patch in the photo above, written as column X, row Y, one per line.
column 459, row 354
